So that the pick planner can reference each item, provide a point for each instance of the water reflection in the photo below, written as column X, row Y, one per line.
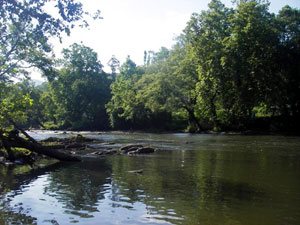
column 224, row 181
column 80, row 187
column 14, row 181
column 177, row 194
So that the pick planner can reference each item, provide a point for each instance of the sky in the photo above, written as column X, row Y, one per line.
column 129, row 27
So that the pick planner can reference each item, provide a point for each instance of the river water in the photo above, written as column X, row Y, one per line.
column 193, row 179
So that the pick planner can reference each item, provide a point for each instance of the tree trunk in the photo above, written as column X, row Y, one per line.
column 15, row 141
column 193, row 119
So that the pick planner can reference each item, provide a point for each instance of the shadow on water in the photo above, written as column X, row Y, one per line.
column 75, row 186
column 228, row 191
column 24, row 175
column 14, row 179
column 81, row 186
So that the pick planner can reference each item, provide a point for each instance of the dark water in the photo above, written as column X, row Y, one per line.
column 195, row 179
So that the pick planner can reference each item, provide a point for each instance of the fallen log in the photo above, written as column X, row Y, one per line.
column 15, row 141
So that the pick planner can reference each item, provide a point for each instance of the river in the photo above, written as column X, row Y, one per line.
column 193, row 179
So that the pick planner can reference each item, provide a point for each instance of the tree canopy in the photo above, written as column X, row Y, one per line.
column 26, row 27
column 230, row 69
column 229, row 66
column 80, row 90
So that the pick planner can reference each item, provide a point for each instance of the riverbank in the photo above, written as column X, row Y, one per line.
column 273, row 125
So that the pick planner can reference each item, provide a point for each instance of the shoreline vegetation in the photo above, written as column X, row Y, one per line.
column 279, row 125
column 256, row 131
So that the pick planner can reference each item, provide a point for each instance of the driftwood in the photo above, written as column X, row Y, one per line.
column 32, row 145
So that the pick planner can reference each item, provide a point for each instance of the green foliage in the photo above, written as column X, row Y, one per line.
column 288, row 26
column 25, row 28
column 238, row 59
column 13, row 105
column 229, row 68
column 148, row 96
column 123, row 102
column 80, row 91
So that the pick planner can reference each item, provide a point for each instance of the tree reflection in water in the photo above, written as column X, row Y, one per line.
column 13, row 180
column 80, row 187
column 207, row 186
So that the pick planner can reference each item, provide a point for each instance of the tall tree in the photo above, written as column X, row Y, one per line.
column 249, row 56
column 81, row 90
column 25, row 28
column 288, row 20
column 122, row 107
column 170, row 84
column 206, row 32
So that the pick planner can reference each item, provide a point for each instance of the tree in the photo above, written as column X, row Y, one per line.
column 122, row 108
column 81, row 90
column 161, row 55
column 288, row 20
column 170, row 85
column 34, row 114
column 165, row 88
column 13, row 105
column 250, row 53
column 237, row 58
column 205, row 34
column 26, row 27
column 12, row 108
column 114, row 64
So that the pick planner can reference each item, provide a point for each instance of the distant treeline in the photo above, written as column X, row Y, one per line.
column 230, row 69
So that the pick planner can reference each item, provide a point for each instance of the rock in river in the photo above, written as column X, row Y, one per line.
column 142, row 150
column 105, row 152
column 129, row 148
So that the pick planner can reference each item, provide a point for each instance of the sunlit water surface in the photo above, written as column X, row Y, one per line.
column 194, row 179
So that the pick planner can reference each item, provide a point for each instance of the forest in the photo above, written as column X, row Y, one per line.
column 231, row 69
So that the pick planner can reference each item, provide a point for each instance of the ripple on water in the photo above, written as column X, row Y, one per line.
column 225, row 179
